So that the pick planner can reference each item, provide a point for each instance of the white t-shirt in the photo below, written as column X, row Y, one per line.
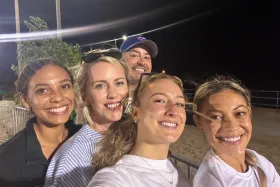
column 213, row 171
column 133, row 171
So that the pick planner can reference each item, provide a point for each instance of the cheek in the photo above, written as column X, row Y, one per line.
column 123, row 91
column 149, row 64
column 247, row 126
column 211, row 131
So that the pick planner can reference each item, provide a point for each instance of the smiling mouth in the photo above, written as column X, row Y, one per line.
column 139, row 70
column 113, row 106
column 168, row 125
column 234, row 139
column 58, row 110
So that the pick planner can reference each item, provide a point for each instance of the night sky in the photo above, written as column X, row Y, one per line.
column 236, row 38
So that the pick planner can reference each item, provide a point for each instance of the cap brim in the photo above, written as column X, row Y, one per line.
column 153, row 49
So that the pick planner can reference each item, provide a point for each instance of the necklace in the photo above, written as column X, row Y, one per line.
column 170, row 182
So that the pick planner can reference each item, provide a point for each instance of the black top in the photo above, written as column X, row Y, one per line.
column 22, row 162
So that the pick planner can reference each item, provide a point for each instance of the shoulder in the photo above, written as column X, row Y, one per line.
column 110, row 176
column 76, row 149
column 263, row 162
column 208, row 172
column 18, row 141
column 72, row 127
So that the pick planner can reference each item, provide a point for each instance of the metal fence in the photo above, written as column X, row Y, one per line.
column 260, row 98
column 12, row 119
column 189, row 167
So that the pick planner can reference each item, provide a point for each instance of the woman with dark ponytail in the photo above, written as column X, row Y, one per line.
column 227, row 125
column 45, row 88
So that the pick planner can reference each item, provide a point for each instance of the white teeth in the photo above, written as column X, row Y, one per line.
column 115, row 105
column 168, row 124
column 141, row 70
column 232, row 139
column 60, row 109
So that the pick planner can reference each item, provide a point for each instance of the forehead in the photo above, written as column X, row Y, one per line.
column 140, row 49
column 103, row 70
column 49, row 73
column 166, row 86
column 226, row 98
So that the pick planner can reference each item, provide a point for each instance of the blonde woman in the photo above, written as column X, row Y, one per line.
column 134, row 152
column 228, row 130
column 102, row 87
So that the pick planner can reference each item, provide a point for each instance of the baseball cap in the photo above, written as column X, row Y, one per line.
column 133, row 41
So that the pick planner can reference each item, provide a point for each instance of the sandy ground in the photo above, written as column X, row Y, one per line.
column 265, row 138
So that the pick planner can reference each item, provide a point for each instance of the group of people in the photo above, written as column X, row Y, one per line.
column 126, row 119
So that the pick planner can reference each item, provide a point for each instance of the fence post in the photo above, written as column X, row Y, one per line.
column 277, row 105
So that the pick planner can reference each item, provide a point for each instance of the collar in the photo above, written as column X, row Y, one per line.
column 34, row 154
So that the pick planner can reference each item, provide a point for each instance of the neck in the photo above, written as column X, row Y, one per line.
column 52, row 135
column 100, row 127
column 150, row 151
column 238, row 163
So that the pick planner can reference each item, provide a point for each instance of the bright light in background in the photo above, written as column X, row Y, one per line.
column 124, row 37
column 163, row 71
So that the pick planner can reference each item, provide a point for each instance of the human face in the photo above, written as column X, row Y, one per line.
column 161, row 115
column 106, row 88
column 230, row 131
column 50, row 95
column 138, row 61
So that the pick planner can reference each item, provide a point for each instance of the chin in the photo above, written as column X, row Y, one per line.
column 172, row 139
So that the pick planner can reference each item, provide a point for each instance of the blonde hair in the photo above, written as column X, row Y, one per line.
column 121, row 136
column 216, row 85
column 83, row 110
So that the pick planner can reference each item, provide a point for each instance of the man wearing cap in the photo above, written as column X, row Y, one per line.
column 138, row 53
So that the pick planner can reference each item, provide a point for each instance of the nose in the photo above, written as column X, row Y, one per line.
column 112, row 92
column 57, row 96
column 140, row 61
column 172, row 109
column 229, row 122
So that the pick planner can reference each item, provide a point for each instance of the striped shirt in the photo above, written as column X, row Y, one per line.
column 71, row 164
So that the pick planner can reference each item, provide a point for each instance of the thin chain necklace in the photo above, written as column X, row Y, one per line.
column 170, row 182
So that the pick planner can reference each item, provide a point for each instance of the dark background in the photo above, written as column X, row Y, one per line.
column 237, row 38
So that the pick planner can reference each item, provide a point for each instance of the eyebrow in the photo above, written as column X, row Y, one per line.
column 105, row 81
column 178, row 96
column 239, row 106
column 146, row 53
column 215, row 110
column 46, row 84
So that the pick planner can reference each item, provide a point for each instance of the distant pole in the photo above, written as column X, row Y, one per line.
column 58, row 19
column 115, row 43
column 18, row 31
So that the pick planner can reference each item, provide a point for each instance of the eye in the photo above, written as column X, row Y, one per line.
column 134, row 55
column 240, row 114
column 100, row 86
column 147, row 57
column 183, row 105
column 217, row 117
column 159, row 101
column 66, row 86
column 120, row 83
column 41, row 91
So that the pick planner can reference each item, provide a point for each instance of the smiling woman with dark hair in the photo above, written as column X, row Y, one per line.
column 45, row 88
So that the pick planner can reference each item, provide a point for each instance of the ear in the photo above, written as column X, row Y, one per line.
column 196, row 121
column 135, row 113
column 24, row 101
